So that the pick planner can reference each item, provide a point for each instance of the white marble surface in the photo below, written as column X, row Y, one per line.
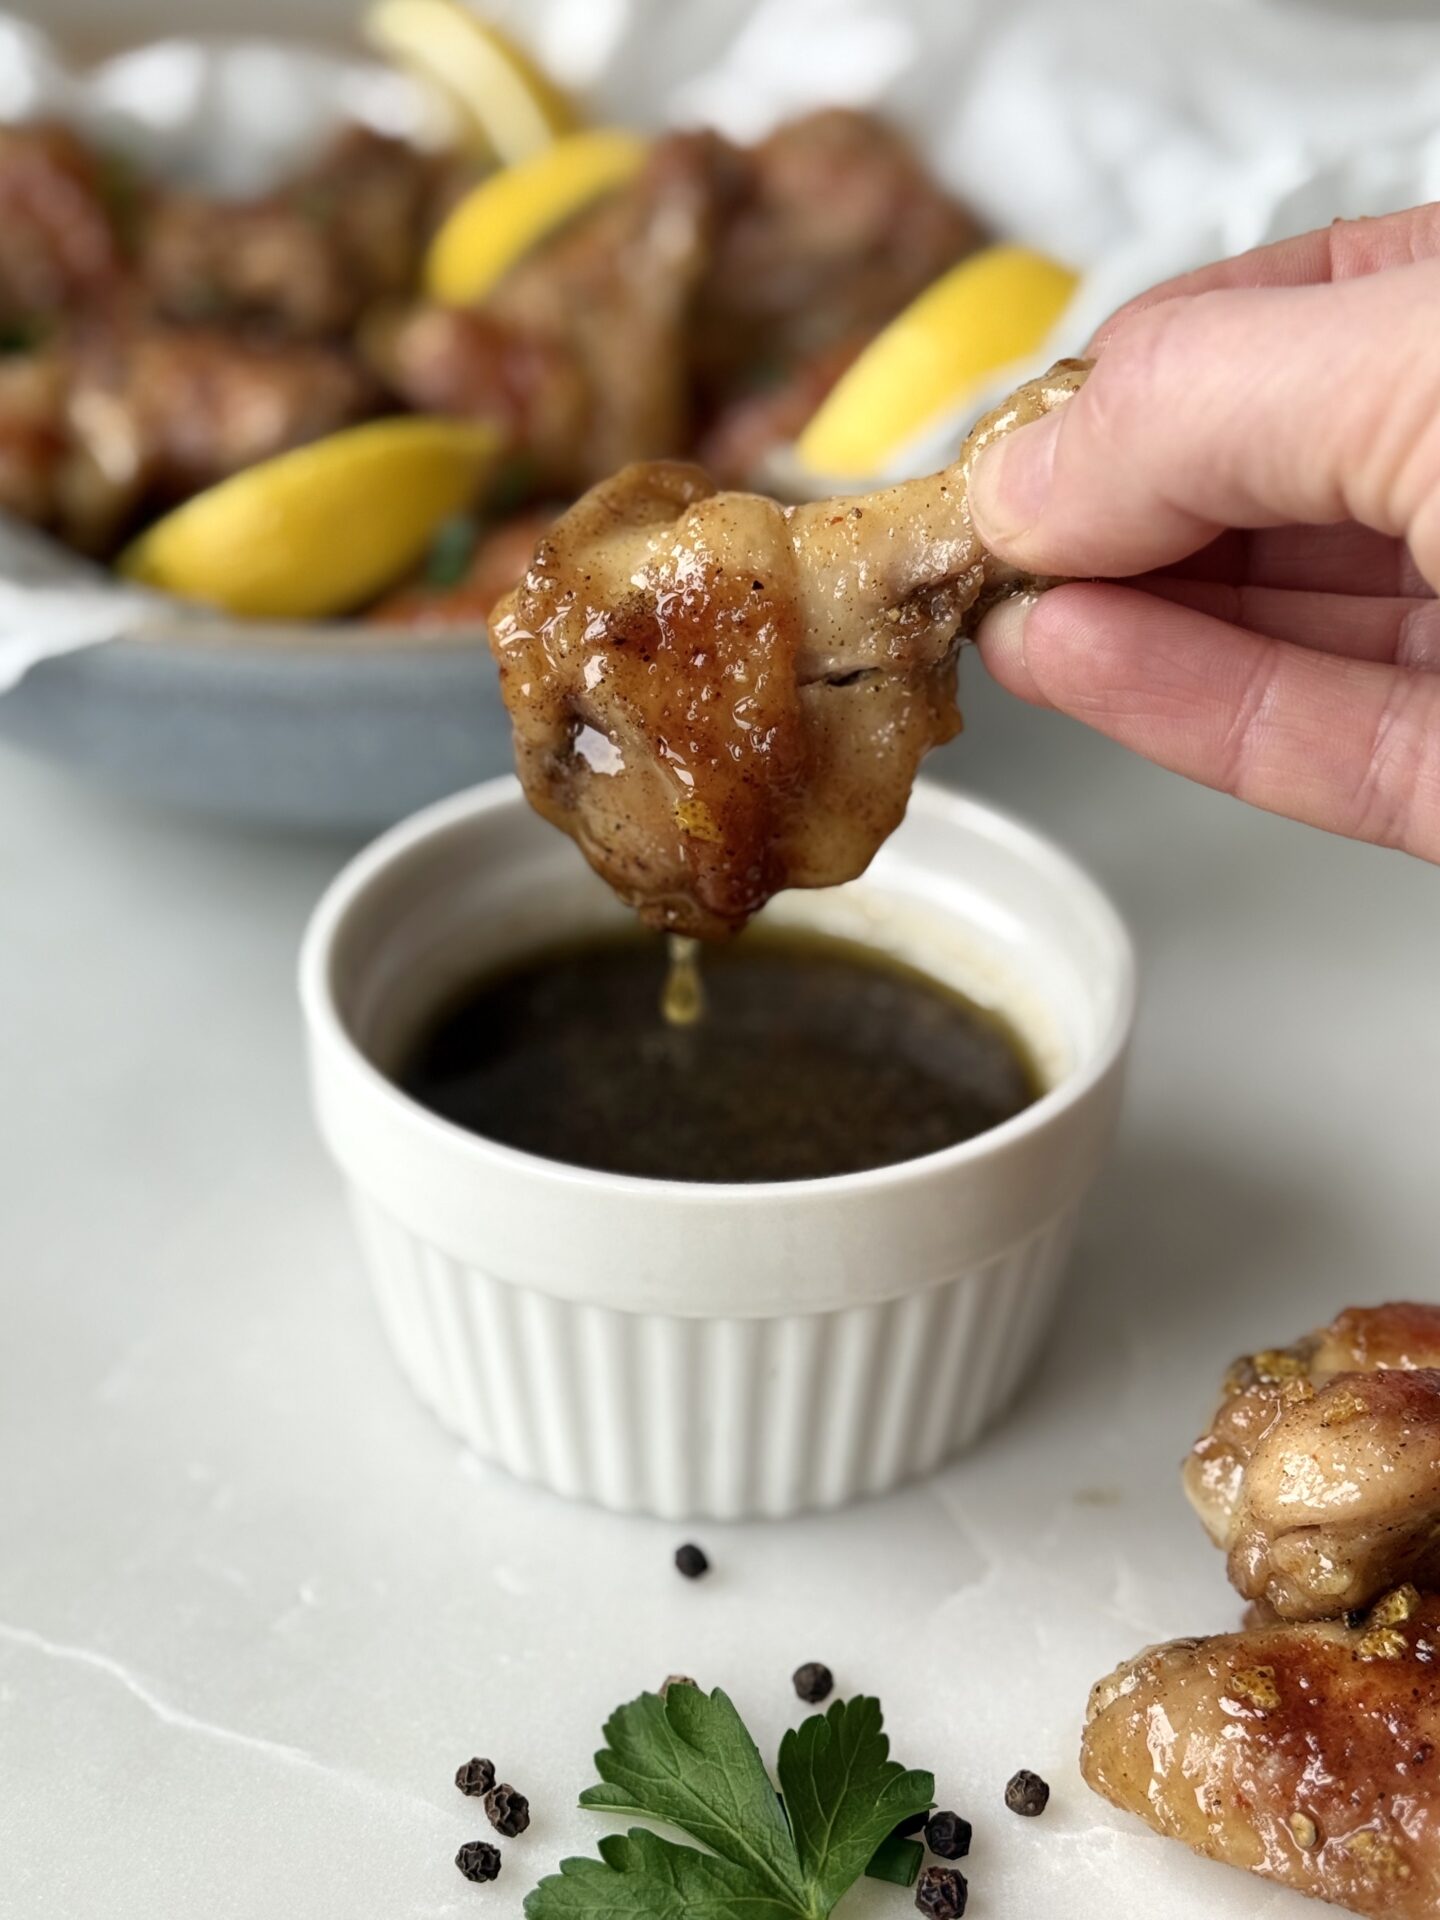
column 255, row 1607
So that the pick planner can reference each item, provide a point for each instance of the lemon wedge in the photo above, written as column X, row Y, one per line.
column 501, row 220
column 503, row 105
column 319, row 530
column 993, row 308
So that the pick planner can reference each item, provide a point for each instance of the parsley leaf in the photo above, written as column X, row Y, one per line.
column 638, row 1873
column 688, row 1760
column 844, row 1794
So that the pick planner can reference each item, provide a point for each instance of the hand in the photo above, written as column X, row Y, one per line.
column 1292, row 394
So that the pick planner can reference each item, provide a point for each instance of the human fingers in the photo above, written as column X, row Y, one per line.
column 1339, row 559
column 1248, row 408
column 1344, row 250
column 1361, row 626
column 1348, row 745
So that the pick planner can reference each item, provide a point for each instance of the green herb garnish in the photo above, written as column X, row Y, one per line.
column 688, row 1760
column 513, row 484
column 452, row 548
column 896, row 1860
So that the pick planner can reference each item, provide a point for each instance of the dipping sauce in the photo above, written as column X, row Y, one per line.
column 814, row 1056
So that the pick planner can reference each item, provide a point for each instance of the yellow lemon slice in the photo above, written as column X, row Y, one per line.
column 319, row 530
column 502, row 219
column 993, row 308
column 505, row 107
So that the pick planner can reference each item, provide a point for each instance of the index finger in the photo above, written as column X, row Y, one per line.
column 1243, row 407
column 1345, row 250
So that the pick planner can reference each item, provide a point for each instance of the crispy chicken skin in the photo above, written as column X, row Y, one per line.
column 1306, row 1753
column 1320, row 1474
column 718, row 697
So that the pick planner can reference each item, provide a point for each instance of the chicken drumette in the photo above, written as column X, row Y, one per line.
column 1309, row 1754
column 719, row 697
column 1320, row 1474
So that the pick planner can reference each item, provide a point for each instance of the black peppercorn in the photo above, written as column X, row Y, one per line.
column 948, row 1835
column 478, row 1860
column 908, row 1829
column 691, row 1561
column 814, row 1682
column 1355, row 1618
column 942, row 1893
column 476, row 1778
column 1027, row 1794
column 507, row 1811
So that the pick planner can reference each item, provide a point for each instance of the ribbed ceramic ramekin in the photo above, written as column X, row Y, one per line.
column 725, row 1351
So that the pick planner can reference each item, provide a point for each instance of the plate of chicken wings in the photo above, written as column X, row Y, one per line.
column 169, row 349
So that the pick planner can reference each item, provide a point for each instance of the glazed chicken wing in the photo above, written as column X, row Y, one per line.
column 719, row 697
column 1309, row 1754
column 1320, row 1475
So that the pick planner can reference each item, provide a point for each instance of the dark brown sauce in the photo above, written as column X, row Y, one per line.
column 815, row 1056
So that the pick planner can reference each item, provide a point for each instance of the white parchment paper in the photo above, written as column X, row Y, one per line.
column 1130, row 139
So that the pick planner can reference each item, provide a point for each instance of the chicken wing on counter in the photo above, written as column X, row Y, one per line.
column 1306, row 1753
column 1320, row 1474
column 719, row 697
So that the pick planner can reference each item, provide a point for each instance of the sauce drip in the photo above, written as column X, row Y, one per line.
column 682, row 1000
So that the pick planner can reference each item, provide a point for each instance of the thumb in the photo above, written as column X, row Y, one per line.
column 1247, row 407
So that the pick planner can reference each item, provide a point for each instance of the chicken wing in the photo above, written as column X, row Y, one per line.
column 834, row 224
column 719, row 697
column 1303, row 1753
column 1320, row 1474
column 582, row 353
column 306, row 260
column 156, row 413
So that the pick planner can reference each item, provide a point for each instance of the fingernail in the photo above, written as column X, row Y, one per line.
column 1010, row 482
column 1001, row 634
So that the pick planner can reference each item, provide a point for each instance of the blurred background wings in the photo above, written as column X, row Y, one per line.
column 1125, row 139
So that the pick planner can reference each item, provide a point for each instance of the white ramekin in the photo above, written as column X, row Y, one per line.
column 725, row 1351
